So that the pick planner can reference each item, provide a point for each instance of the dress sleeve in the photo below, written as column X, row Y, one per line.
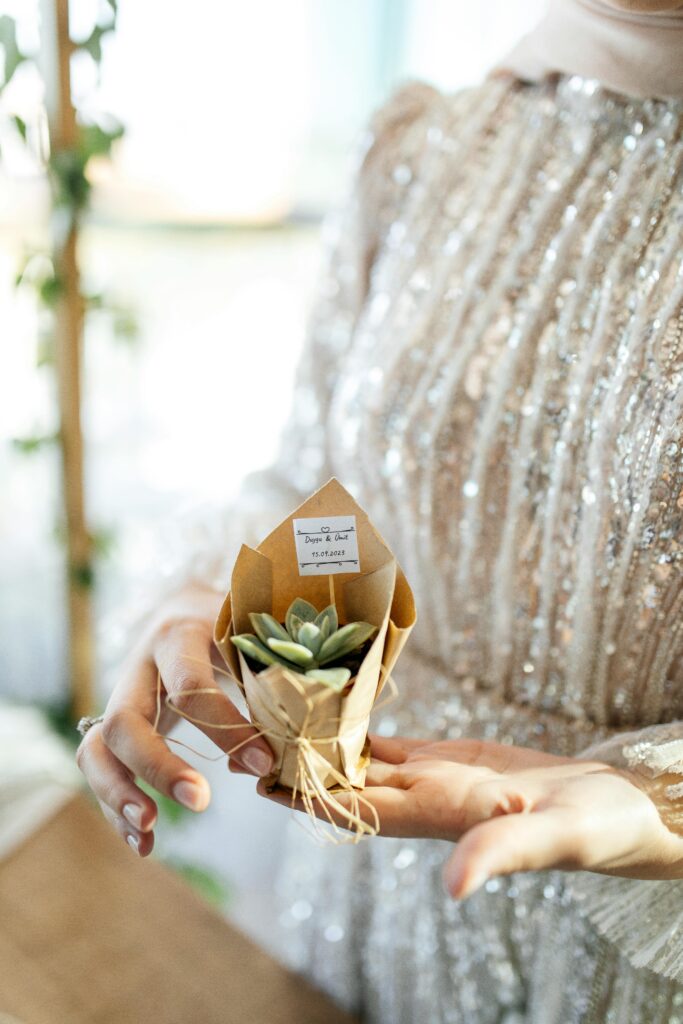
column 201, row 547
column 643, row 918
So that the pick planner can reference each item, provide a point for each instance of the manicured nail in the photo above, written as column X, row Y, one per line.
column 257, row 761
column 190, row 795
column 459, row 885
column 133, row 815
column 476, row 883
column 476, row 880
column 134, row 843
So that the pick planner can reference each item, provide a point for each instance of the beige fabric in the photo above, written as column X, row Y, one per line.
column 633, row 52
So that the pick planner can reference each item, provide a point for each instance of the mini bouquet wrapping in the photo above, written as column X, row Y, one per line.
column 315, row 619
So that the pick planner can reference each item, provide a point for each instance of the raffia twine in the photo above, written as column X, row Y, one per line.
column 318, row 801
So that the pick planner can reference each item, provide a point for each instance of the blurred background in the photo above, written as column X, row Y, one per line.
column 212, row 138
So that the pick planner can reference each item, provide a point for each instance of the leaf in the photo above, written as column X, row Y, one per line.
column 296, row 653
column 37, row 271
column 125, row 325
column 113, row 4
column 45, row 352
column 168, row 808
column 328, row 615
column 13, row 55
column 70, row 187
column 50, row 290
column 20, row 125
column 294, row 624
column 95, row 300
column 335, row 678
column 310, row 636
column 94, row 140
column 212, row 888
column 35, row 264
column 31, row 445
column 82, row 575
column 304, row 610
column 265, row 627
column 103, row 541
column 60, row 717
column 93, row 43
column 250, row 645
column 345, row 640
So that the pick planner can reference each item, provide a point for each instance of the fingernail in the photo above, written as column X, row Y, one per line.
column 133, row 815
column 459, row 885
column 466, row 887
column 190, row 795
column 134, row 843
column 257, row 761
column 475, row 882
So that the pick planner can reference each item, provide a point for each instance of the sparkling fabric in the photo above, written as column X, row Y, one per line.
column 495, row 370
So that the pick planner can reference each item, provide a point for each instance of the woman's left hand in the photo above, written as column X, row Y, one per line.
column 515, row 809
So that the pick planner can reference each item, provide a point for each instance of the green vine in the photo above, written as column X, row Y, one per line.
column 67, row 171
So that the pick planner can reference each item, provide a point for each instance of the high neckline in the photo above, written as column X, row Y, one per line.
column 658, row 19
column 636, row 53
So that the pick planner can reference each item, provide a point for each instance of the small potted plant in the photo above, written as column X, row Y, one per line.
column 308, row 642
column 310, row 677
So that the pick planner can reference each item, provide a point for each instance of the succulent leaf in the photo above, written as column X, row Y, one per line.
column 265, row 626
column 345, row 640
column 251, row 645
column 311, row 637
column 335, row 678
column 294, row 624
column 296, row 653
column 304, row 610
column 329, row 615
column 310, row 640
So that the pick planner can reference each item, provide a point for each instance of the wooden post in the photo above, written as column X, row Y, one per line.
column 68, row 332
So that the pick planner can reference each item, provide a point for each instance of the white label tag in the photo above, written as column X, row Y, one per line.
column 326, row 545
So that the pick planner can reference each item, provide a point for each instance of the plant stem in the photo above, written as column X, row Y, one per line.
column 68, row 314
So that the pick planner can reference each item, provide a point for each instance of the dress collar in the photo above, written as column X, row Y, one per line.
column 632, row 52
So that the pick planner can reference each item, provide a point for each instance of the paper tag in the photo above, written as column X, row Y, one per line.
column 326, row 545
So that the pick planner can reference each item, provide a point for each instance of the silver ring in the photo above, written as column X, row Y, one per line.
column 87, row 722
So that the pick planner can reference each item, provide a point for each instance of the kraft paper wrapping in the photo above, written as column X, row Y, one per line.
column 286, row 705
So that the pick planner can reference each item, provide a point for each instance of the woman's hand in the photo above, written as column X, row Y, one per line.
column 515, row 809
column 178, row 647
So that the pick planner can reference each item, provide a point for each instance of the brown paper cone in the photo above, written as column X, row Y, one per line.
column 297, row 713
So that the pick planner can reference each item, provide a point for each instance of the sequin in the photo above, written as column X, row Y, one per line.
column 402, row 174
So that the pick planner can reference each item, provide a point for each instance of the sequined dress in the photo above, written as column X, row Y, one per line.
column 494, row 368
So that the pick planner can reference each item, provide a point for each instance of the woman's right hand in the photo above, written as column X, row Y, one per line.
column 177, row 645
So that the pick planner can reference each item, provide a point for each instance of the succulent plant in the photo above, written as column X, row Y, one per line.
column 309, row 642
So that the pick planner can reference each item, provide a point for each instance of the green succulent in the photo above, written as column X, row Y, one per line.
column 309, row 642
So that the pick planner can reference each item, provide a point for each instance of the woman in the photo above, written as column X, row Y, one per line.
column 495, row 369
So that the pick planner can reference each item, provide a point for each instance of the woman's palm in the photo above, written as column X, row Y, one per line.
column 515, row 809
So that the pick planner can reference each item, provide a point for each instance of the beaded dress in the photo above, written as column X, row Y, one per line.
column 494, row 369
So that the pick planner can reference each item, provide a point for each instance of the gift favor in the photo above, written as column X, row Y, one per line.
column 315, row 619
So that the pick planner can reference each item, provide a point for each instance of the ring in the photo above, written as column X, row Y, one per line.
column 87, row 722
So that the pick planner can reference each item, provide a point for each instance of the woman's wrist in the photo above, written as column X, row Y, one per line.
column 660, row 789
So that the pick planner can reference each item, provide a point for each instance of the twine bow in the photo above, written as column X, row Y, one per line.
column 308, row 787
